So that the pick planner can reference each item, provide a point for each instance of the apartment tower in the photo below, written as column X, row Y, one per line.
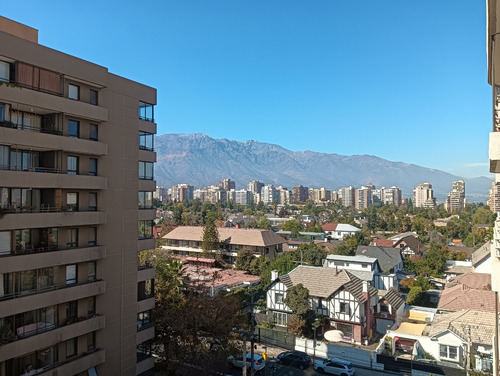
column 423, row 196
column 76, row 193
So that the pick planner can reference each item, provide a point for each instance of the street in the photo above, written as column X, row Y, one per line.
column 292, row 371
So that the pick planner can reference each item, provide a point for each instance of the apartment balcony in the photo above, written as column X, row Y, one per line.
column 47, row 177
column 145, row 304
column 494, row 152
column 145, row 333
column 54, row 103
column 146, row 273
column 147, row 185
column 145, row 214
column 147, row 155
column 49, row 335
column 43, row 257
column 144, row 363
column 33, row 137
column 147, row 126
column 143, row 244
column 12, row 221
column 25, row 301
column 75, row 365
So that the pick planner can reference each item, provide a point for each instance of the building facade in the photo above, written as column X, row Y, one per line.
column 423, row 196
column 76, row 199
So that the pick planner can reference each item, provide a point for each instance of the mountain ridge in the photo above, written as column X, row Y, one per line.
column 200, row 160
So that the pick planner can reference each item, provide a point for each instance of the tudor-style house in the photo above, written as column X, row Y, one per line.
column 347, row 303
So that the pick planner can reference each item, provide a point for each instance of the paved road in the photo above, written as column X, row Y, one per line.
column 292, row 371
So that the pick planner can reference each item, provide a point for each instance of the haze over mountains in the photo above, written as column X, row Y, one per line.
column 200, row 160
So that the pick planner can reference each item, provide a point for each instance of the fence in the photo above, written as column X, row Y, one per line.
column 276, row 338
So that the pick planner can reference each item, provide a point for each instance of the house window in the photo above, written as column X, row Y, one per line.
column 278, row 297
column 72, row 201
column 72, row 165
column 146, row 111
column 71, row 274
column 4, row 71
column 72, row 238
column 448, row 352
column 146, row 170
column 93, row 135
column 384, row 308
column 91, row 274
column 344, row 308
column 93, row 97
column 70, row 347
column 145, row 200
column 74, row 92
column 280, row 318
column 145, row 229
column 90, row 341
column 92, row 201
column 146, row 141
column 73, row 128
column 92, row 236
column 93, row 166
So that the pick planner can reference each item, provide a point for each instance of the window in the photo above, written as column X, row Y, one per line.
column 72, row 238
column 92, row 236
column 72, row 201
column 93, row 166
column 93, row 97
column 71, row 311
column 2, row 110
column 72, row 165
column 146, row 111
column 91, row 305
column 90, row 341
column 4, row 157
column 144, row 350
column 93, row 132
column 448, row 352
column 91, row 271
column 145, row 200
column 278, row 297
column 146, row 141
column 146, row 170
column 4, row 71
column 92, row 201
column 23, row 160
column 280, row 318
column 71, row 274
column 73, row 128
column 143, row 319
column 145, row 229
column 344, row 308
column 74, row 92
column 70, row 347
column 384, row 308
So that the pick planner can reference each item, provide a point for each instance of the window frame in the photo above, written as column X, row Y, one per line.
column 72, row 201
column 93, row 101
column 92, row 195
column 146, row 141
column 146, row 170
column 71, row 94
column 92, row 166
column 93, row 132
column 92, row 236
column 73, row 128
column 75, row 170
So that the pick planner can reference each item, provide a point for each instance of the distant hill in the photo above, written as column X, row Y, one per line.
column 200, row 160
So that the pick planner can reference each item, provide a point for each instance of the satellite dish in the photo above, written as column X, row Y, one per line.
column 334, row 335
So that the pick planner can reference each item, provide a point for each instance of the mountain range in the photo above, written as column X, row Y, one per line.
column 200, row 160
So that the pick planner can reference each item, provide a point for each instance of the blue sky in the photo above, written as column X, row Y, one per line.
column 405, row 81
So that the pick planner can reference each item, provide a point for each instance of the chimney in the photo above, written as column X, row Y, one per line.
column 365, row 287
column 274, row 275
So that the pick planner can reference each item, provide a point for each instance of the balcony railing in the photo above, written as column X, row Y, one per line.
column 51, row 130
column 42, row 248
column 32, row 169
column 40, row 290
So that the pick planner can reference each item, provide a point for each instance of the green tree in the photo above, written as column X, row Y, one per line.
column 210, row 240
column 416, row 296
column 259, row 221
column 309, row 254
column 244, row 260
column 297, row 299
column 294, row 226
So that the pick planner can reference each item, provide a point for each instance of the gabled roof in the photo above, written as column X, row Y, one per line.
column 478, row 281
column 403, row 235
column 387, row 257
column 481, row 253
column 383, row 242
column 237, row 236
column 344, row 227
column 356, row 259
column 394, row 298
column 461, row 297
column 481, row 324
column 413, row 243
column 323, row 282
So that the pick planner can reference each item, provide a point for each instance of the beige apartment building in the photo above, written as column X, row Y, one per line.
column 76, row 191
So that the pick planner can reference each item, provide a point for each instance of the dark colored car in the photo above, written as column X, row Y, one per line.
column 297, row 359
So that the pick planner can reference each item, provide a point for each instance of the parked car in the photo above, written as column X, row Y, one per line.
column 334, row 366
column 258, row 361
column 295, row 358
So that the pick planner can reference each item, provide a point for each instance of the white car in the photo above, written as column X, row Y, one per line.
column 334, row 366
column 258, row 361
